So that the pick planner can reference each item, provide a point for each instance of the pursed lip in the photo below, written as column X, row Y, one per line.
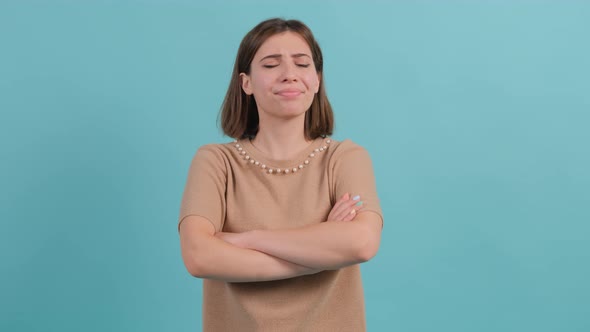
column 290, row 92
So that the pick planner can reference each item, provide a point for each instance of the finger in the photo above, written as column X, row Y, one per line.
column 343, row 198
column 352, row 214
column 337, row 208
column 349, row 216
column 339, row 212
column 344, row 210
column 347, row 208
column 357, row 209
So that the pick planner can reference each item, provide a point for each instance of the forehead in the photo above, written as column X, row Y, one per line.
column 283, row 43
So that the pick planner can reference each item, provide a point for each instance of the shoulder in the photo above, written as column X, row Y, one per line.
column 347, row 149
column 214, row 149
column 214, row 154
column 348, row 157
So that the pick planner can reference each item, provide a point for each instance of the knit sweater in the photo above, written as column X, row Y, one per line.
column 230, row 185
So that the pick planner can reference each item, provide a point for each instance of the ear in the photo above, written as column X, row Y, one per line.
column 246, row 83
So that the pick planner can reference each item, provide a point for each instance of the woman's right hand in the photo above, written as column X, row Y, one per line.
column 345, row 208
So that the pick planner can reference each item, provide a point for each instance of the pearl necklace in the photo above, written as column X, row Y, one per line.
column 289, row 170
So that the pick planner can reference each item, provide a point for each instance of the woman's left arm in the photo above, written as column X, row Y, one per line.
column 324, row 246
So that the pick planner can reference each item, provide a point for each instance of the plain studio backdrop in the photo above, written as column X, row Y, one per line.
column 476, row 115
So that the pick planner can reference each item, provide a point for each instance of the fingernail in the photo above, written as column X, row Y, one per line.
column 359, row 203
column 353, row 211
column 356, row 198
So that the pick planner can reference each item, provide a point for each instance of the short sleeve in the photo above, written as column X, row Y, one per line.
column 204, row 192
column 353, row 173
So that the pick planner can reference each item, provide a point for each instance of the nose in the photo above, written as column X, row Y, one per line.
column 289, row 73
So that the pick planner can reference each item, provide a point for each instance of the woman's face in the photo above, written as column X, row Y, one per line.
column 282, row 77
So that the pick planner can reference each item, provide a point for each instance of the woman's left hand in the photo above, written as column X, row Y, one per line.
column 345, row 208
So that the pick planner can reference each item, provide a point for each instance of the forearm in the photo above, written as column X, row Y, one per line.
column 207, row 256
column 327, row 245
column 216, row 259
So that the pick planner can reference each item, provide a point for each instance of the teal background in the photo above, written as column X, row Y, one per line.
column 476, row 115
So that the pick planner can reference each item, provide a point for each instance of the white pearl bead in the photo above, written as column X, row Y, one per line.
column 269, row 170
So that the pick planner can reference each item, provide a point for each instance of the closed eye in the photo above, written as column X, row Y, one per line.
column 303, row 65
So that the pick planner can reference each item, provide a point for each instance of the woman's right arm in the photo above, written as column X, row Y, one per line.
column 206, row 256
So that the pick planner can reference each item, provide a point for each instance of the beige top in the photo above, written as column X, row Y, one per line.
column 238, row 195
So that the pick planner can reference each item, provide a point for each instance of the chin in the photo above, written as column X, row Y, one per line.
column 283, row 111
column 287, row 113
column 292, row 113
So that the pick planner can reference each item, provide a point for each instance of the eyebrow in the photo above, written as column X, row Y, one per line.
column 278, row 56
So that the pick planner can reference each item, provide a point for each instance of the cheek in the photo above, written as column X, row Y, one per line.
column 264, row 83
column 314, row 83
column 259, row 82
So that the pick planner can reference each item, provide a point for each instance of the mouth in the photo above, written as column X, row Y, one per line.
column 289, row 93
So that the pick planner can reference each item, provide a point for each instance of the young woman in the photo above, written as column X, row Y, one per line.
column 277, row 221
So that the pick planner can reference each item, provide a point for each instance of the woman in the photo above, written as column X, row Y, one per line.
column 277, row 221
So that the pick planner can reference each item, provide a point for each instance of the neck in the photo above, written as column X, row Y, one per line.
column 281, row 139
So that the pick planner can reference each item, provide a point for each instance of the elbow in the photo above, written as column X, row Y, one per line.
column 366, row 252
column 194, row 270
column 195, row 266
column 368, row 245
column 195, row 240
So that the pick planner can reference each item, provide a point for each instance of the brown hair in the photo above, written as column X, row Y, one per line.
column 239, row 113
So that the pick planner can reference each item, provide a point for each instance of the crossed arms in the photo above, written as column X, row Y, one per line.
column 346, row 238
